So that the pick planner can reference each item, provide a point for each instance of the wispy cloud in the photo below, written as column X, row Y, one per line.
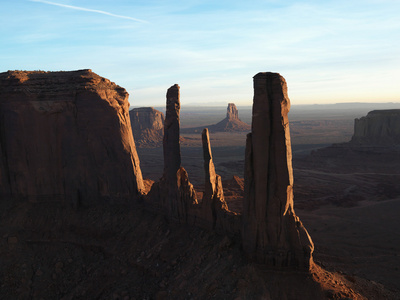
column 89, row 10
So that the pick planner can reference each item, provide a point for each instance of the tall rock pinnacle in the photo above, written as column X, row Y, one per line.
column 173, row 192
column 272, row 233
column 213, row 204
column 171, row 144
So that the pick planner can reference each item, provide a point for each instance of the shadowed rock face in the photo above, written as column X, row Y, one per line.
column 171, row 144
column 173, row 193
column 213, row 204
column 272, row 233
column 66, row 136
column 147, row 126
column 379, row 127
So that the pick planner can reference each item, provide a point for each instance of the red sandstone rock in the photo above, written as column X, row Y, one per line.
column 173, row 193
column 272, row 233
column 147, row 126
column 213, row 204
column 66, row 136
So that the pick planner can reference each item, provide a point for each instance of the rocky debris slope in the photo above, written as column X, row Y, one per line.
column 229, row 124
column 378, row 127
column 272, row 233
column 66, row 136
column 147, row 126
column 125, row 252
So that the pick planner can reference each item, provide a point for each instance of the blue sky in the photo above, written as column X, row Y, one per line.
column 328, row 51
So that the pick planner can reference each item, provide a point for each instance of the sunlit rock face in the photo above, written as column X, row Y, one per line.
column 272, row 233
column 147, row 126
column 66, row 136
column 378, row 127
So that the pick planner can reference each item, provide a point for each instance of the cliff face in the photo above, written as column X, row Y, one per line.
column 147, row 126
column 66, row 136
column 379, row 127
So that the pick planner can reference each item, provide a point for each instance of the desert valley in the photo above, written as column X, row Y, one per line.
column 100, row 200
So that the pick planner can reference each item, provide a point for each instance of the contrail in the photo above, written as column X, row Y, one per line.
column 89, row 10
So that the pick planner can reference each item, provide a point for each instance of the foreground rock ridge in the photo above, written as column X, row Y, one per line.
column 66, row 137
column 272, row 233
column 378, row 127
column 147, row 126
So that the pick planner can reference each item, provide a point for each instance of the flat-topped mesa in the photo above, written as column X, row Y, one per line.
column 147, row 126
column 146, row 118
column 379, row 127
column 232, row 112
column 272, row 233
column 73, row 131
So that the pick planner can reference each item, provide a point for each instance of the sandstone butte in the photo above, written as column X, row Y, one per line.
column 66, row 136
column 147, row 126
column 229, row 124
column 378, row 127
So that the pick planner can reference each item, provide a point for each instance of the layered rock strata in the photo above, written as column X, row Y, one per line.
column 272, row 233
column 66, row 136
column 378, row 127
column 147, row 126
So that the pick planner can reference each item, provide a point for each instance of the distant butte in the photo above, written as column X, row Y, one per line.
column 378, row 127
column 230, row 124
column 147, row 126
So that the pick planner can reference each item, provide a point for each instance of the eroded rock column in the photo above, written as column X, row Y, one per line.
column 213, row 204
column 272, row 233
column 174, row 191
column 171, row 144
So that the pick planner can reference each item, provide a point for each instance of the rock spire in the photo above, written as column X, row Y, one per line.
column 173, row 192
column 272, row 233
column 213, row 204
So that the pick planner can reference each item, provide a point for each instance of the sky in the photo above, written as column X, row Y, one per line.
column 329, row 51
